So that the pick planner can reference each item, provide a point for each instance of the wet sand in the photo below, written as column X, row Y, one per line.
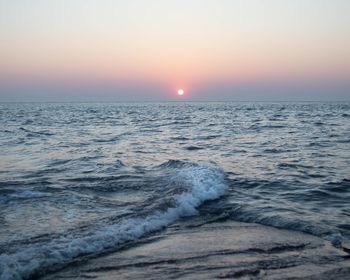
column 217, row 250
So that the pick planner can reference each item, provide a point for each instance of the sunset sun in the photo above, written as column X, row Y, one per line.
column 180, row 92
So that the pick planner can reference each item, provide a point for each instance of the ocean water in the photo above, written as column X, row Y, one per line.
column 78, row 180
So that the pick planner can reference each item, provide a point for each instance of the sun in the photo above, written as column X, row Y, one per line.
column 180, row 92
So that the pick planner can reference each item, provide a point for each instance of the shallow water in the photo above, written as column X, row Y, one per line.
column 81, row 179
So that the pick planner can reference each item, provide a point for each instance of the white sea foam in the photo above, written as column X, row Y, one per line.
column 201, row 182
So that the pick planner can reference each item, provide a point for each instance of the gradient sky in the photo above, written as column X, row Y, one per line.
column 147, row 49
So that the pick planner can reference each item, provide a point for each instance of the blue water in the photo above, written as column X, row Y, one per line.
column 77, row 179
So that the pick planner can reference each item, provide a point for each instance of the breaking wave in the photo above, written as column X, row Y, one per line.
column 193, row 184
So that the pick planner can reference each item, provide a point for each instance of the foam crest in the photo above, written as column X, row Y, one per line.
column 200, row 182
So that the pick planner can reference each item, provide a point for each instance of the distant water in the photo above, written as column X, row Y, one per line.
column 81, row 179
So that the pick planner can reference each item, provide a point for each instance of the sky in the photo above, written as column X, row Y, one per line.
column 145, row 50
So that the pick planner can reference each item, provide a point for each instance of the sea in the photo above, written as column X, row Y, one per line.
column 80, row 182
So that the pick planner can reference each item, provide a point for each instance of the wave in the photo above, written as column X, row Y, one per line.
column 32, row 133
column 30, row 194
column 279, row 204
column 279, row 218
column 195, row 183
column 193, row 148
column 336, row 234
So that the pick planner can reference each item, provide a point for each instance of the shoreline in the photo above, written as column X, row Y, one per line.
column 219, row 250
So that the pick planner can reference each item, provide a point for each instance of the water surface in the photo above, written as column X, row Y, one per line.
column 78, row 179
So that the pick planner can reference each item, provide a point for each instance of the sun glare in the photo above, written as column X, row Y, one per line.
column 180, row 92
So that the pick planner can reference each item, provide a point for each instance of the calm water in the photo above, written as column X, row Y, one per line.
column 81, row 179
